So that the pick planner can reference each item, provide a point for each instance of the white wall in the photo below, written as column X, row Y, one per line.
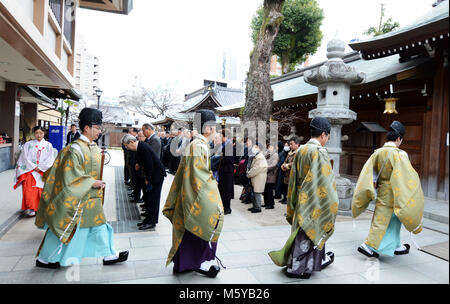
column 50, row 36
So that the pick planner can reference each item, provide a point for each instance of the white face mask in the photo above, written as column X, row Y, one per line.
column 254, row 150
column 287, row 149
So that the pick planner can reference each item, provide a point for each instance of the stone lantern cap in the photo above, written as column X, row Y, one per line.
column 334, row 70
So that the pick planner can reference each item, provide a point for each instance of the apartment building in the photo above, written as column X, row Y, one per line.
column 37, row 60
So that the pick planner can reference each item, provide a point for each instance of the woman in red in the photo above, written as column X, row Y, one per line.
column 36, row 157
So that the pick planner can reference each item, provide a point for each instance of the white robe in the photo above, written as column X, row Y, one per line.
column 30, row 158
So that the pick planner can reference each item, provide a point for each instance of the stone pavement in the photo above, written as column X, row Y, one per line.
column 243, row 248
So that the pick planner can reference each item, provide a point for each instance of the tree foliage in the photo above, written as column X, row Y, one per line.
column 299, row 34
column 383, row 27
column 153, row 103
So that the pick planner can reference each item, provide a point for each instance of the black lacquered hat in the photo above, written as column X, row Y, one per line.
column 91, row 116
column 398, row 127
column 206, row 116
column 321, row 123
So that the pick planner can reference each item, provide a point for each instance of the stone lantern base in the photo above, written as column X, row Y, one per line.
column 344, row 188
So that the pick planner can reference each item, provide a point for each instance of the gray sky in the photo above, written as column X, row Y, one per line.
column 180, row 43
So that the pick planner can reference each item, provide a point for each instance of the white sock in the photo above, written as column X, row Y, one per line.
column 42, row 261
column 205, row 265
column 327, row 259
column 401, row 248
column 366, row 248
column 110, row 258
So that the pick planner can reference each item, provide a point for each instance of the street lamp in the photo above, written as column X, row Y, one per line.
column 98, row 92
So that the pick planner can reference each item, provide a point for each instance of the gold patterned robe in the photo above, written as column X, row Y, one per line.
column 312, row 198
column 68, row 197
column 399, row 191
column 194, row 202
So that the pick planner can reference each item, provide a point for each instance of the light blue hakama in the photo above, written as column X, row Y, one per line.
column 391, row 239
column 86, row 242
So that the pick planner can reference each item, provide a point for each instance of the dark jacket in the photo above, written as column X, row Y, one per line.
column 152, row 168
column 155, row 144
column 76, row 136
column 225, row 171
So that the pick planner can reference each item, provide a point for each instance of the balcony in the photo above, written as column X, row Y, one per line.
column 123, row 7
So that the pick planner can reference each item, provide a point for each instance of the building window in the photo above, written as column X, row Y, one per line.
column 55, row 6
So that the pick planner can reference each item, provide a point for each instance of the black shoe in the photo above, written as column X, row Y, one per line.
column 264, row 205
column 277, row 197
column 363, row 251
column 212, row 272
column 256, row 210
column 269, row 207
column 283, row 201
column 303, row 276
column 147, row 226
column 406, row 251
column 331, row 255
column 227, row 212
column 123, row 256
column 184, row 271
column 140, row 224
column 142, row 205
column 144, row 214
column 251, row 209
column 49, row 265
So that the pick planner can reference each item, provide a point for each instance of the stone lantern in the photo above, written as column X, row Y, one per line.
column 333, row 80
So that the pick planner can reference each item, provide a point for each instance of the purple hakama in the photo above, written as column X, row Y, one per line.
column 192, row 252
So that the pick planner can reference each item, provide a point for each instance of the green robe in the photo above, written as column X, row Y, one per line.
column 399, row 191
column 68, row 197
column 312, row 198
column 194, row 202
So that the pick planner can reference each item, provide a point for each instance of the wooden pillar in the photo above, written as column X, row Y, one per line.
column 10, row 115
column 438, row 130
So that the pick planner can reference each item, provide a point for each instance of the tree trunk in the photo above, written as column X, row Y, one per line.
column 259, row 94
column 285, row 66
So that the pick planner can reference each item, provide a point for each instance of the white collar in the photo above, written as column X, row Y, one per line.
column 40, row 143
column 314, row 141
column 390, row 144
column 84, row 138
column 200, row 136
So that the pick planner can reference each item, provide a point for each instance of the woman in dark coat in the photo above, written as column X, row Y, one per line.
column 282, row 153
column 226, row 172
column 272, row 170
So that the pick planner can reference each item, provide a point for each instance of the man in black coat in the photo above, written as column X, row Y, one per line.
column 152, row 138
column 73, row 134
column 153, row 172
column 226, row 171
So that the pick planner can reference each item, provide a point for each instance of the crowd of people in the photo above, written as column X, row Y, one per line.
column 262, row 169
column 66, row 191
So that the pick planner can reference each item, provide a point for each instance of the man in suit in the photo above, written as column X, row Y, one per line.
column 135, row 195
column 73, row 134
column 226, row 170
column 152, row 138
column 154, row 173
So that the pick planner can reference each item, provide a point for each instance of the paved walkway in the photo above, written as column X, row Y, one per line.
column 243, row 248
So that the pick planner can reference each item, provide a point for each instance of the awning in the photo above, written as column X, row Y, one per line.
column 56, row 93
column 34, row 91
column 369, row 126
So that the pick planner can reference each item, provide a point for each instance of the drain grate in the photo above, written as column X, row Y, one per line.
column 128, row 214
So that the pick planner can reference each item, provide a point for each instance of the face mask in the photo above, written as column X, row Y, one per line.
column 254, row 150
column 287, row 149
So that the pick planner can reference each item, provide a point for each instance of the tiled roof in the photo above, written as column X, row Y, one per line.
column 221, row 95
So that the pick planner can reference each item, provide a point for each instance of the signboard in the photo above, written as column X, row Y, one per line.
column 57, row 136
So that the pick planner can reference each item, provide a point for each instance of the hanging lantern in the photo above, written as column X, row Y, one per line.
column 390, row 105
